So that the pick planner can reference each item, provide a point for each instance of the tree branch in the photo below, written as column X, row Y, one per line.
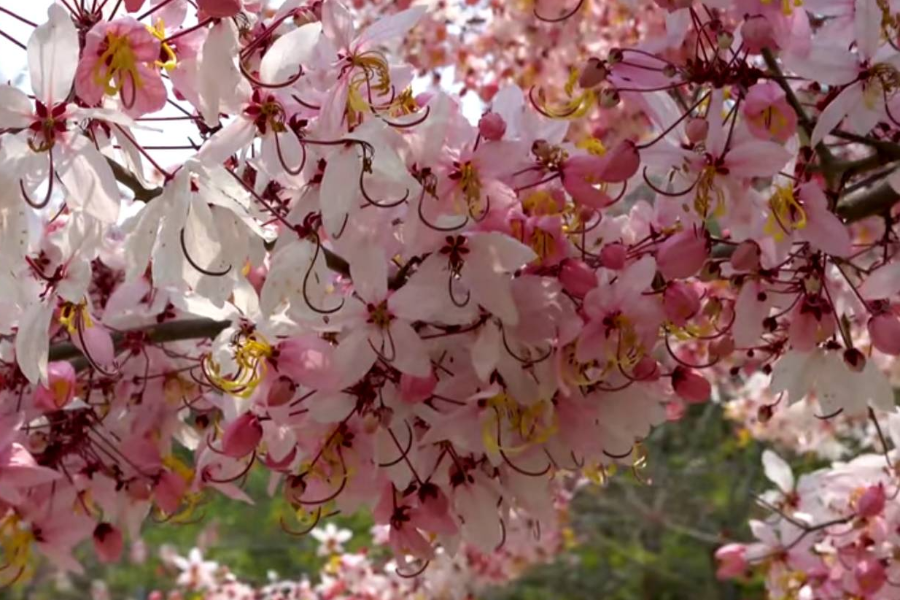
column 131, row 182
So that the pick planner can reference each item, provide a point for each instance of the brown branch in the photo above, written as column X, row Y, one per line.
column 173, row 331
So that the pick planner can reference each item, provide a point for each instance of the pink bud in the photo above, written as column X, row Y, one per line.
column 416, row 389
column 680, row 303
column 492, row 127
column 220, row 9
column 242, row 436
column 614, row 256
column 647, row 369
column 682, row 255
column 758, row 33
column 696, row 130
column 870, row 575
column 690, row 385
column 577, row 278
column 169, row 491
column 722, row 347
column 281, row 392
column 871, row 503
column 133, row 5
column 746, row 256
column 60, row 389
column 593, row 73
column 884, row 329
column 732, row 561
column 108, row 543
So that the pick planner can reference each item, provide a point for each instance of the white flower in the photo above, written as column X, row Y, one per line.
column 331, row 539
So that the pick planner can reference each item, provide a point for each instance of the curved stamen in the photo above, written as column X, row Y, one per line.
column 309, row 269
column 565, row 17
column 524, row 360
column 302, row 532
column 414, row 574
column 462, row 304
column 670, row 194
column 403, row 453
column 46, row 200
column 411, row 124
column 431, row 225
column 272, row 86
column 244, row 471
column 283, row 162
column 191, row 262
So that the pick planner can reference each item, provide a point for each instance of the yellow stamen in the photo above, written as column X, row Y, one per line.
column 592, row 145
column 250, row 357
column 534, row 424
column 117, row 62
column 71, row 315
column 576, row 106
column 786, row 215
column 707, row 191
column 15, row 542
column 159, row 32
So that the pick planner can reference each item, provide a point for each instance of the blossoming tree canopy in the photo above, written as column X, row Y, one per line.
column 393, row 308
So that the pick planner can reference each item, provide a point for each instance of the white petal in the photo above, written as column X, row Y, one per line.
column 289, row 53
column 368, row 270
column 225, row 142
column 15, row 108
column 390, row 27
column 834, row 113
column 756, row 159
column 867, row 25
column 778, row 471
column 340, row 188
column 790, row 375
column 499, row 253
column 53, row 56
column 90, row 182
column 141, row 231
column 220, row 84
column 883, row 283
column 33, row 341
column 411, row 353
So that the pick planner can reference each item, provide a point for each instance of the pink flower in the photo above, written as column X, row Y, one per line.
column 768, row 114
column 732, row 561
column 119, row 59
column 416, row 389
column 60, row 388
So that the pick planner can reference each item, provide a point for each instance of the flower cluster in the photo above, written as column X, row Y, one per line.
column 830, row 534
column 340, row 279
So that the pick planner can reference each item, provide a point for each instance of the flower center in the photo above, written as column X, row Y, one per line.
column 787, row 213
column 167, row 59
column 251, row 352
column 116, row 62
column 379, row 315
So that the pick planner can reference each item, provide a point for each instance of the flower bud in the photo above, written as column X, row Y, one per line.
column 682, row 255
column 722, row 347
column 696, row 130
column 416, row 389
column 870, row 575
column 692, row 387
column 614, row 256
column 680, row 303
column 872, row 501
column 884, row 329
column 60, row 388
column 593, row 73
column 281, row 392
column 577, row 278
column 647, row 369
column 242, row 436
column 746, row 256
column 108, row 543
column 220, row 9
column 757, row 33
column 492, row 127
column 732, row 561
column 169, row 491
